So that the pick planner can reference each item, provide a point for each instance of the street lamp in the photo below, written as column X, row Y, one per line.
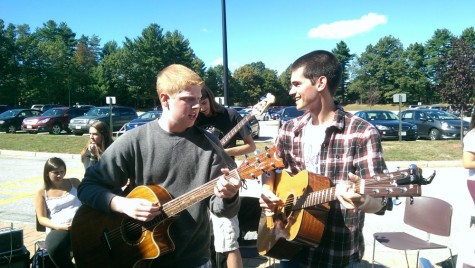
column 225, row 53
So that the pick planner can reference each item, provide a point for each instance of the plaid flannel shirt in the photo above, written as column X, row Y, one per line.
column 350, row 145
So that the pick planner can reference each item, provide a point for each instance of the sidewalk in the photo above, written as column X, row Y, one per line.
column 30, row 236
column 384, row 257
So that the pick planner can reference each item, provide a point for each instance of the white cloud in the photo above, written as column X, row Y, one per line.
column 217, row 61
column 205, row 30
column 346, row 28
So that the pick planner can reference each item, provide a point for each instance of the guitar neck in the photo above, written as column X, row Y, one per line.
column 375, row 189
column 250, row 169
column 235, row 129
column 315, row 198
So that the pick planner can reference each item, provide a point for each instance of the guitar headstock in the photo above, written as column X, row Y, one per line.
column 255, row 166
column 263, row 104
column 399, row 183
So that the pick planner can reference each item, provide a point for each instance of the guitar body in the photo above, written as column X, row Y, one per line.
column 115, row 240
column 281, row 235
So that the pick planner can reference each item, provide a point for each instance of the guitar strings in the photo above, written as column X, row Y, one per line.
column 177, row 205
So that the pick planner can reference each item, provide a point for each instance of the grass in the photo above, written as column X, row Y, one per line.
column 421, row 150
column 43, row 143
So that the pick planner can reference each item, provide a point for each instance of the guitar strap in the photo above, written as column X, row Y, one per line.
column 219, row 150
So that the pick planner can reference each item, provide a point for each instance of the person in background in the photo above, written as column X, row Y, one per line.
column 100, row 137
column 467, row 255
column 219, row 120
column 56, row 203
column 173, row 153
column 329, row 141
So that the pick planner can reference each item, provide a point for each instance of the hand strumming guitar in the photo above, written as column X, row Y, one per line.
column 268, row 200
column 136, row 208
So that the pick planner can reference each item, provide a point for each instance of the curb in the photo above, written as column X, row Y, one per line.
column 38, row 154
column 390, row 164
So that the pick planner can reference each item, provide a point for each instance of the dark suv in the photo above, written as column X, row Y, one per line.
column 120, row 116
column 53, row 120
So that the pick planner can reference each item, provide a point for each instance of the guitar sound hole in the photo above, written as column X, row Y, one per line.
column 131, row 231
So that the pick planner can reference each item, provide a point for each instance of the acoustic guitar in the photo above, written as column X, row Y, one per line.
column 257, row 109
column 301, row 220
column 116, row 240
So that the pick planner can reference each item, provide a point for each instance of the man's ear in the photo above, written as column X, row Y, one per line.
column 321, row 83
column 164, row 98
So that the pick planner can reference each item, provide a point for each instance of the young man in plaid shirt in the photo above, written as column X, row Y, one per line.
column 329, row 141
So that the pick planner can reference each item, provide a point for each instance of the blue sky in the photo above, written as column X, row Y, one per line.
column 274, row 32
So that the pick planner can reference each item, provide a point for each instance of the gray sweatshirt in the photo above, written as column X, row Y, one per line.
column 178, row 162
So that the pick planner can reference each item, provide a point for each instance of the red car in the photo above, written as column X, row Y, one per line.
column 53, row 120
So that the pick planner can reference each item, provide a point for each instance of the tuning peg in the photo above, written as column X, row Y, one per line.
column 278, row 171
column 267, row 174
column 397, row 201
column 376, row 177
column 267, row 148
column 257, row 152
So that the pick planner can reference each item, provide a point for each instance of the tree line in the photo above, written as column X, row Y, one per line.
column 52, row 65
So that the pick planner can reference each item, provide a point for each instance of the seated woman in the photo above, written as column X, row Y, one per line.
column 58, row 196
column 100, row 137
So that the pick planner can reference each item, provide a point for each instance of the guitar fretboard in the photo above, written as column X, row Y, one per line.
column 235, row 129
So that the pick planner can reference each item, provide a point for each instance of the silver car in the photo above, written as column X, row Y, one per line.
column 120, row 116
column 435, row 124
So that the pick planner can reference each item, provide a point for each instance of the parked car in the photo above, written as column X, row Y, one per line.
column 387, row 123
column 143, row 119
column 10, row 121
column 438, row 107
column 46, row 107
column 271, row 112
column 237, row 108
column 253, row 124
column 276, row 114
column 289, row 113
column 54, row 120
column 435, row 124
column 37, row 106
column 4, row 108
column 120, row 116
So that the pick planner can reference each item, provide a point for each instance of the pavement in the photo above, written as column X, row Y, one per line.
column 385, row 257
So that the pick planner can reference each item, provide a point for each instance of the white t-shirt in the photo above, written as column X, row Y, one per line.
column 469, row 146
column 312, row 139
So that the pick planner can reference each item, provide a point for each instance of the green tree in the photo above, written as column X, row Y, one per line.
column 9, row 69
column 380, row 68
column 342, row 53
column 468, row 36
column 56, row 48
column 255, row 81
column 456, row 83
column 436, row 48
column 416, row 81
